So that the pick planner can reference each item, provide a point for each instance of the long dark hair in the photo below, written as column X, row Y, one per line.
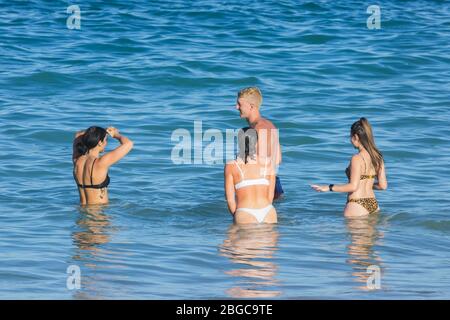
column 90, row 139
column 247, row 139
column 363, row 130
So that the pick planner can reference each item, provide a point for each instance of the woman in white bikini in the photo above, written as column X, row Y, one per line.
column 250, row 183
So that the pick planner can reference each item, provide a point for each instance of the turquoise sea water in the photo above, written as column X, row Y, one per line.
column 150, row 67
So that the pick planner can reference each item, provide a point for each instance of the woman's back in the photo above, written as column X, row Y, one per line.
column 366, row 179
column 249, row 186
column 92, row 180
column 90, row 169
column 252, row 184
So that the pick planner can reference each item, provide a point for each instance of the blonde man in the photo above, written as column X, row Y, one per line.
column 249, row 101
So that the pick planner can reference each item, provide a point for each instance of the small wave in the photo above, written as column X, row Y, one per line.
column 316, row 39
column 42, row 78
column 437, row 225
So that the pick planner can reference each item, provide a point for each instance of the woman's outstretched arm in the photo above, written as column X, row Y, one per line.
column 353, row 185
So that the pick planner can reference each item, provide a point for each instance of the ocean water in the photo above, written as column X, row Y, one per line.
column 151, row 67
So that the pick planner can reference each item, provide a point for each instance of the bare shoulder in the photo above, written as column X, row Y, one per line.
column 356, row 158
column 265, row 124
column 102, row 162
column 229, row 166
column 76, row 161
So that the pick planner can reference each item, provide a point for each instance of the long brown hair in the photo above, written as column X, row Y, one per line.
column 363, row 130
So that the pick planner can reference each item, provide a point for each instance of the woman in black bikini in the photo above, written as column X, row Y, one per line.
column 89, row 168
column 364, row 167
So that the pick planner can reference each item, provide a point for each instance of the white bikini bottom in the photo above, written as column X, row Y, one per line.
column 259, row 214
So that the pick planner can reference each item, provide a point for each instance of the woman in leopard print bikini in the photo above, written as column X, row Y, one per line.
column 364, row 167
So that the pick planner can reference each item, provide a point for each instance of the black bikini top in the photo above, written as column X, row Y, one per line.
column 102, row 185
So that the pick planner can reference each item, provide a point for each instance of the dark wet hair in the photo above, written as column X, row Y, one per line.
column 90, row 139
column 363, row 130
column 247, row 139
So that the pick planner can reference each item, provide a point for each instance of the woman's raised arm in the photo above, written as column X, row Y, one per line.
column 118, row 153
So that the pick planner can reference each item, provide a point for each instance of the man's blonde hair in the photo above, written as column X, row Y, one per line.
column 253, row 93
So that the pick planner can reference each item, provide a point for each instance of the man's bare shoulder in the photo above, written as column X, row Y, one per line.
column 265, row 124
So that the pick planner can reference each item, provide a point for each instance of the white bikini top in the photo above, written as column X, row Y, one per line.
column 251, row 182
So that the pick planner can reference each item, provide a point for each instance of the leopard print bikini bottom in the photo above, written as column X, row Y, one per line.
column 370, row 204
